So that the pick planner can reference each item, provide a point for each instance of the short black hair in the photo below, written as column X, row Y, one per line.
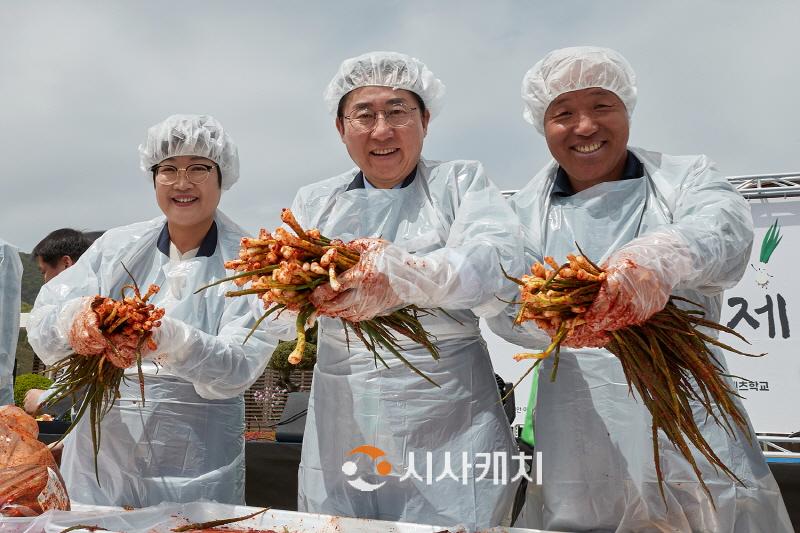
column 343, row 101
column 61, row 242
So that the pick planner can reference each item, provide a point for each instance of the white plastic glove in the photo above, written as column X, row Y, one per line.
column 68, row 313
column 219, row 365
column 33, row 399
column 364, row 292
column 640, row 278
column 86, row 339
column 83, row 333
column 171, row 338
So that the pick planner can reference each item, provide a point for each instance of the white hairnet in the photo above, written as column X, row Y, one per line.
column 386, row 69
column 198, row 135
column 572, row 69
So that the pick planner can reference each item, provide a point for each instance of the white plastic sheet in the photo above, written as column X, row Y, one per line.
column 162, row 518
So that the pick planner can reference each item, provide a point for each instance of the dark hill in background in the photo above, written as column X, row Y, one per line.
column 31, row 283
column 31, row 280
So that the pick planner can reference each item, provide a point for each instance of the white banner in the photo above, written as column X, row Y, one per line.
column 765, row 308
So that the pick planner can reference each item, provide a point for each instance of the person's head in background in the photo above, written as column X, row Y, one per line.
column 60, row 249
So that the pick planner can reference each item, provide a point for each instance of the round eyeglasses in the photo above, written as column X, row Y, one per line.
column 168, row 174
column 365, row 119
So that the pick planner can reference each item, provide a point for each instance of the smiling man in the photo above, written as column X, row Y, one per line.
column 587, row 133
column 661, row 225
column 434, row 234
column 186, row 442
column 388, row 153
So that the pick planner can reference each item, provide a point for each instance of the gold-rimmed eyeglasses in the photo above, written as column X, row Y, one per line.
column 196, row 173
column 365, row 119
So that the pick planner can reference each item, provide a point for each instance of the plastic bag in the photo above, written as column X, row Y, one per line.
column 30, row 482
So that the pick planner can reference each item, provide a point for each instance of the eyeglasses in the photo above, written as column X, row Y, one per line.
column 365, row 119
column 168, row 174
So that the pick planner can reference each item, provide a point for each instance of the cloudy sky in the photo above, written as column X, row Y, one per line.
column 80, row 82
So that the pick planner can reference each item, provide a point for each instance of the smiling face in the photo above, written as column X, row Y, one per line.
column 386, row 154
column 587, row 133
column 185, row 204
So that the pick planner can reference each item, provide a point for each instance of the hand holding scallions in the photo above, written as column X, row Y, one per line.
column 665, row 353
column 310, row 274
column 107, row 336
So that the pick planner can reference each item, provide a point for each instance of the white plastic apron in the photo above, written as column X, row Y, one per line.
column 177, row 447
column 595, row 437
column 354, row 403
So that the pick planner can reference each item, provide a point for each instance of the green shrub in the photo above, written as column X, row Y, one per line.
column 25, row 382
column 280, row 357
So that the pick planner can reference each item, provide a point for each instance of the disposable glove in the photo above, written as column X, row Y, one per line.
column 364, row 293
column 32, row 401
column 640, row 277
column 86, row 339
column 171, row 338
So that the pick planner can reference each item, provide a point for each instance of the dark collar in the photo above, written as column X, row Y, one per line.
column 634, row 169
column 207, row 247
column 358, row 181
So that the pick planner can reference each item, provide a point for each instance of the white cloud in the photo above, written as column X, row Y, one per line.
column 80, row 82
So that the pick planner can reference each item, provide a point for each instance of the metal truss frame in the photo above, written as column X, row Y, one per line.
column 780, row 447
column 767, row 185
column 785, row 185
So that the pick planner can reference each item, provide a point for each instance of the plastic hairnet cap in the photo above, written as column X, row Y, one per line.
column 386, row 69
column 572, row 69
column 197, row 135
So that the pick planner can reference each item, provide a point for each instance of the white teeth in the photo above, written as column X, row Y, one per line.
column 384, row 152
column 184, row 200
column 588, row 148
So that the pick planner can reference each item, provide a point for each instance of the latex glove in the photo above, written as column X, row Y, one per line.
column 86, row 338
column 640, row 278
column 84, row 333
column 364, row 293
column 32, row 401
column 68, row 313
column 170, row 338
column 175, row 340
column 630, row 295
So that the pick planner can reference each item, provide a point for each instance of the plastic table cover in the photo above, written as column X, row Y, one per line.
column 163, row 518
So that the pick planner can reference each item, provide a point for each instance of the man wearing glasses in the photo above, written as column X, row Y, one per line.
column 186, row 442
column 433, row 234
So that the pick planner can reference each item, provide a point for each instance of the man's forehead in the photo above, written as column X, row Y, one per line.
column 591, row 91
column 367, row 96
column 175, row 158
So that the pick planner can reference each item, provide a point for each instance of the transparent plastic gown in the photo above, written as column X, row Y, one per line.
column 451, row 230
column 186, row 443
column 595, row 437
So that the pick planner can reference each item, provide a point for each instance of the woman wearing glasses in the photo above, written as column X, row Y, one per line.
column 186, row 442
column 438, row 233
